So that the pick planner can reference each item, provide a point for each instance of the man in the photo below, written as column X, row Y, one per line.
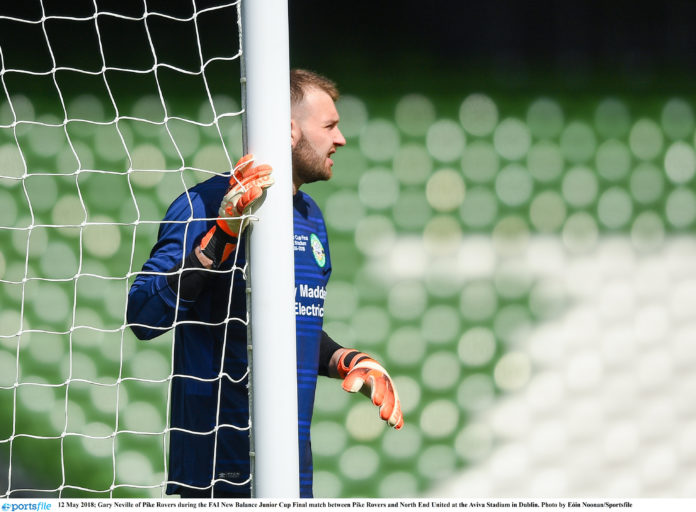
column 193, row 281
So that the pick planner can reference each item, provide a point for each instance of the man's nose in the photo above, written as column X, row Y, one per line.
column 339, row 140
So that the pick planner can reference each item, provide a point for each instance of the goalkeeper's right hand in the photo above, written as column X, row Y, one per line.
column 360, row 371
column 246, row 190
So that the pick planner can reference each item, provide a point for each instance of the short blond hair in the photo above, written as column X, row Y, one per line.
column 301, row 80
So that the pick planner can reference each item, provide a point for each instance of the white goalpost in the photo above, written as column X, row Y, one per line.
column 273, row 349
column 108, row 112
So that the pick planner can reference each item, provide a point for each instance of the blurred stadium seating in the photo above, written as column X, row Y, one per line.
column 523, row 266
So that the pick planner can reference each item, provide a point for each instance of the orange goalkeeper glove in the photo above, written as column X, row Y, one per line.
column 246, row 190
column 358, row 369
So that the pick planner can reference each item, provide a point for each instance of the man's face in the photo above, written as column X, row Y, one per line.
column 315, row 137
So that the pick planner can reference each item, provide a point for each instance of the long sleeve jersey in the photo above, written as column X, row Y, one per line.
column 209, row 436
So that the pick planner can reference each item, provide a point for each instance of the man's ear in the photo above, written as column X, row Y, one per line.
column 295, row 132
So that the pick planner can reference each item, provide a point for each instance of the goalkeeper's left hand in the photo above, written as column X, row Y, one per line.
column 357, row 370
column 246, row 191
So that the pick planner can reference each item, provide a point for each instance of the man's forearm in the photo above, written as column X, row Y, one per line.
column 187, row 280
column 329, row 353
column 205, row 261
column 333, row 363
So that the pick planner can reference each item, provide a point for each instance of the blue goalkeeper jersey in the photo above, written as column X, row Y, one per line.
column 210, row 415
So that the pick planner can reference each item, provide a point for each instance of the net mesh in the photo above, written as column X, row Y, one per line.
column 108, row 112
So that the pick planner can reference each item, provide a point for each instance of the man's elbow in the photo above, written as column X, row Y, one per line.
column 143, row 332
column 138, row 319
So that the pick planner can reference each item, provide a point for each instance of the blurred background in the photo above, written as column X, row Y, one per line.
column 511, row 224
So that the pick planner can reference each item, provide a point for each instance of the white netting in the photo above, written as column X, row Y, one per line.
column 107, row 113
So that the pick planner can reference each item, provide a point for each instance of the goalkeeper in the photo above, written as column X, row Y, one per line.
column 193, row 282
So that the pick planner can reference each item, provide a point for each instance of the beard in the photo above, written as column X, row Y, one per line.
column 308, row 165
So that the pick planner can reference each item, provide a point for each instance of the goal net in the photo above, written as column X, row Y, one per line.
column 108, row 111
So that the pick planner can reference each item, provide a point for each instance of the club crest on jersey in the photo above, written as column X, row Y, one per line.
column 317, row 250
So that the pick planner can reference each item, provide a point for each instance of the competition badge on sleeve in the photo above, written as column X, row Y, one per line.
column 318, row 250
